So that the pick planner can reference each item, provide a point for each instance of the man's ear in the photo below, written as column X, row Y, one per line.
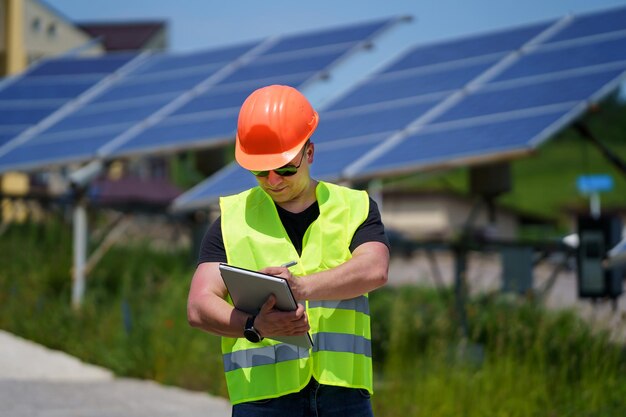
column 310, row 151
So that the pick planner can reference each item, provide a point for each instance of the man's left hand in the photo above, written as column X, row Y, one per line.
column 296, row 284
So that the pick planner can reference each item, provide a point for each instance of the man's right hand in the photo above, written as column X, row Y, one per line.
column 273, row 322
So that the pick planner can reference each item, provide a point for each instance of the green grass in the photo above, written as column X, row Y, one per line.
column 519, row 360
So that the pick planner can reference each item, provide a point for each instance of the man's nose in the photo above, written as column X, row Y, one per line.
column 274, row 179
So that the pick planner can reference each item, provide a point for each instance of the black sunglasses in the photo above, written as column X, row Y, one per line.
column 284, row 171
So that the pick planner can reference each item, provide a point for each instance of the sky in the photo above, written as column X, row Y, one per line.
column 194, row 25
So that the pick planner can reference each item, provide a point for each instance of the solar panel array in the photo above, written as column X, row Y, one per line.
column 48, row 88
column 77, row 109
column 471, row 100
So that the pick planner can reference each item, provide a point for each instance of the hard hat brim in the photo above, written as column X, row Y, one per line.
column 268, row 162
column 265, row 162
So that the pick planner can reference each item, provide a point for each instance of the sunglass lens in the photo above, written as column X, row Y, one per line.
column 283, row 172
column 286, row 171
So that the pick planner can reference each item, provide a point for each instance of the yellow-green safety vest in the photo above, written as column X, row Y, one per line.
column 254, row 238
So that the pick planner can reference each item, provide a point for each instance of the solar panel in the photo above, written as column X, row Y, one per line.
column 162, row 102
column 411, row 84
column 291, row 60
column 135, row 87
column 342, row 35
column 229, row 180
column 23, row 116
column 9, row 133
column 217, row 128
column 80, row 66
column 520, row 96
column 438, row 146
column 510, row 109
column 183, row 61
column 59, row 89
column 48, row 88
column 262, row 68
column 550, row 59
column 95, row 117
column 482, row 98
column 593, row 24
column 496, row 44
column 61, row 148
column 373, row 119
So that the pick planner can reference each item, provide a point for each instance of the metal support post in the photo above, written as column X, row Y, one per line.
column 80, row 253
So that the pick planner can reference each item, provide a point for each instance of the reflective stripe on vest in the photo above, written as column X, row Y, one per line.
column 359, row 304
column 254, row 238
column 334, row 342
column 263, row 356
column 339, row 342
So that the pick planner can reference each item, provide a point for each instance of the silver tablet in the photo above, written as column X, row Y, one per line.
column 250, row 289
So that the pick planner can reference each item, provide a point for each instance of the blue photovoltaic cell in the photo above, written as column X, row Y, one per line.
column 18, row 116
column 80, row 66
column 593, row 24
column 411, row 85
column 184, row 61
column 284, row 67
column 463, row 142
column 215, row 100
column 377, row 120
column 230, row 180
column 497, row 42
column 330, row 161
column 6, row 135
column 24, row 89
column 42, row 91
column 328, row 37
column 87, row 118
column 218, row 98
column 555, row 91
column 83, row 135
column 175, row 134
column 43, row 151
column 544, row 61
column 136, row 87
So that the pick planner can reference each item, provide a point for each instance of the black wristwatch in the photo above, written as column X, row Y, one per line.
column 250, row 333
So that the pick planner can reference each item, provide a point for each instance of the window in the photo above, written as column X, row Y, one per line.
column 35, row 24
column 52, row 30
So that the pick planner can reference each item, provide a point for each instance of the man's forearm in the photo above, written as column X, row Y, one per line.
column 366, row 271
column 216, row 316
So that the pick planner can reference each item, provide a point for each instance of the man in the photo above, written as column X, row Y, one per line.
column 335, row 235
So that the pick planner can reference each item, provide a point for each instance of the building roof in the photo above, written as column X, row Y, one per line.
column 123, row 36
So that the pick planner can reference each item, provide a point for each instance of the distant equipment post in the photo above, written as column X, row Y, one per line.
column 593, row 185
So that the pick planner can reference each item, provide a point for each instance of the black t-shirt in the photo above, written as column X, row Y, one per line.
column 296, row 224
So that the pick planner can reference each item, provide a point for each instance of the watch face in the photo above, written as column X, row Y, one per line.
column 252, row 335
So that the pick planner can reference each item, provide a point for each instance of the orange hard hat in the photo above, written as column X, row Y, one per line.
column 274, row 123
